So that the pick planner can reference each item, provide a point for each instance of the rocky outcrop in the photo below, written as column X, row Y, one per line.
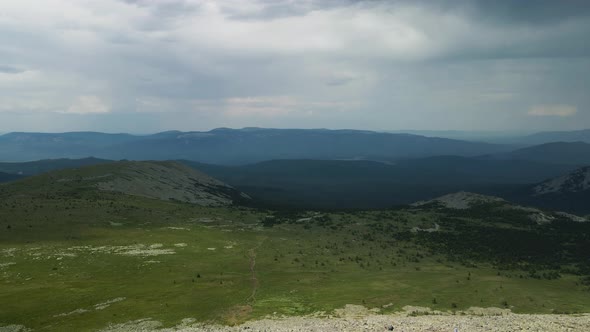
column 170, row 181
column 574, row 182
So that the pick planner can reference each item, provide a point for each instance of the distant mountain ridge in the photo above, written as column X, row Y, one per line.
column 519, row 138
column 237, row 146
column 571, row 153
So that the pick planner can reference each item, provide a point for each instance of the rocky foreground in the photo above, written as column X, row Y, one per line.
column 352, row 319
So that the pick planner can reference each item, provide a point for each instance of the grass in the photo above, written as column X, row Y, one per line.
column 69, row 257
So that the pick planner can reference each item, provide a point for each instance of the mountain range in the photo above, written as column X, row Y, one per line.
column 251, row 145
column 237, row 146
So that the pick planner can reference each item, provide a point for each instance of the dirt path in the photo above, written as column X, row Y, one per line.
column 252, row 255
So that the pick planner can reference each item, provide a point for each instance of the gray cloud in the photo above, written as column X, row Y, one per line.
column 539, row 12
column 368, row 64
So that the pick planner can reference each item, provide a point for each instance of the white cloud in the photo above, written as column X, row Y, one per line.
column 88, row 105
column 553, row 110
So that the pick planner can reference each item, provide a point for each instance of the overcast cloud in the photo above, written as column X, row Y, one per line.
column 152, row 65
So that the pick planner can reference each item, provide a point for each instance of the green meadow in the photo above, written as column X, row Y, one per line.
column 82, row 263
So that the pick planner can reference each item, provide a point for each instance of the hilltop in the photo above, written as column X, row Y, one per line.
column 158, row 180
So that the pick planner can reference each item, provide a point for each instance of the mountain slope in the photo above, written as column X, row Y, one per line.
column 158, row 180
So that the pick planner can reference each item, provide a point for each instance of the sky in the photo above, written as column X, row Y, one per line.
column 143, row 66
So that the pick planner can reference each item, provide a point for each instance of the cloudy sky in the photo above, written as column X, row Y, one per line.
column 144, row 66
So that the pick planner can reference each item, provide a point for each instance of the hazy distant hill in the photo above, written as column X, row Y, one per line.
column 237, row 146
column 557, row 136
column 574, row 153
column 500, row 137
column 46, row 165
column 34, row 146
column 515, row 138
column 366, row 184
